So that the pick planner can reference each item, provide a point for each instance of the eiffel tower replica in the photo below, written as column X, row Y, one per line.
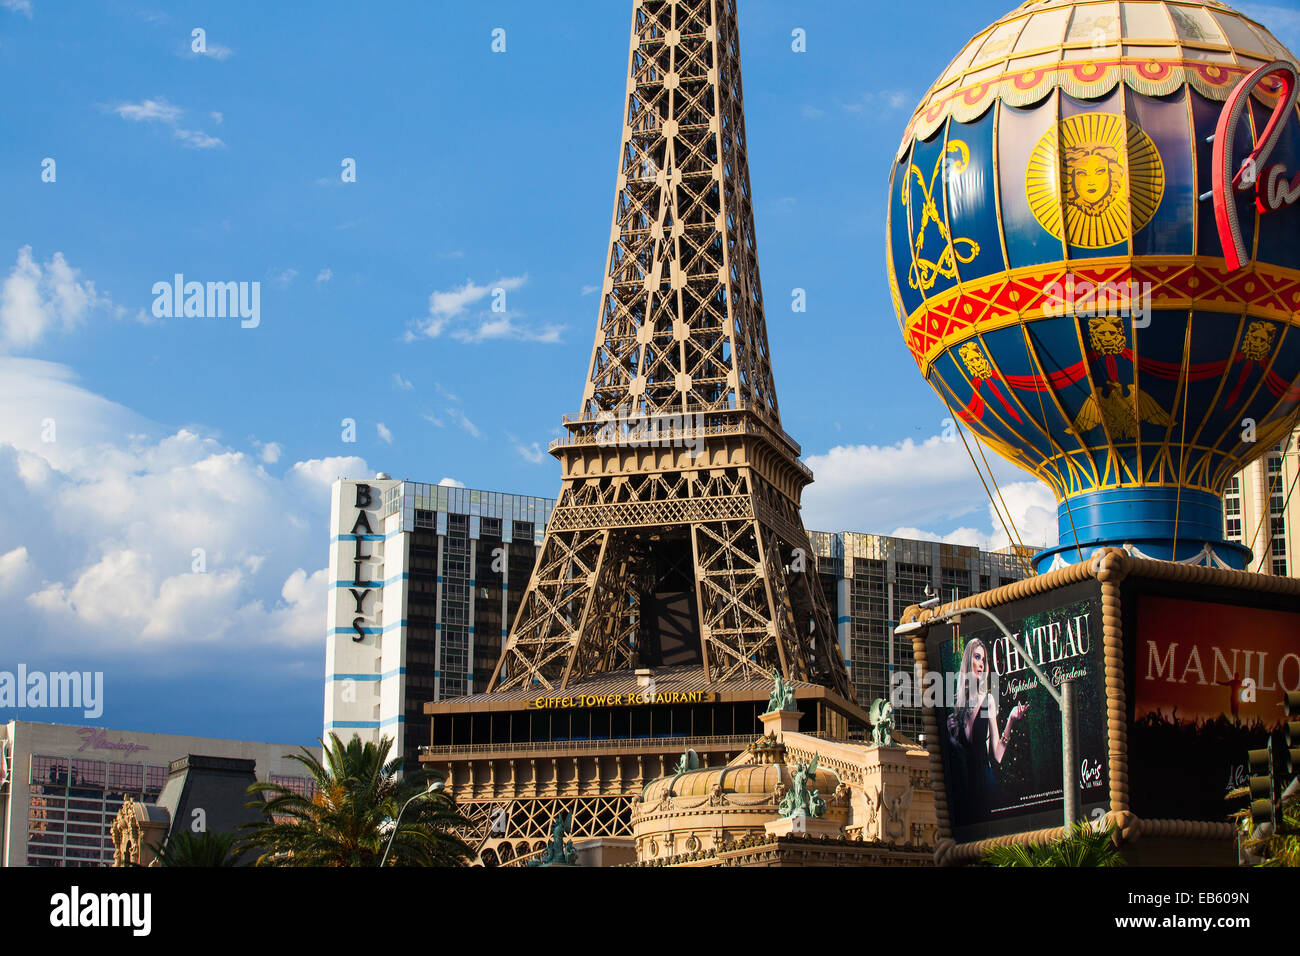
column 676, row 537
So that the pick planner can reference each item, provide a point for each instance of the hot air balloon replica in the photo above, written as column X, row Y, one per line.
column 1093, row 247
column 1070, row 283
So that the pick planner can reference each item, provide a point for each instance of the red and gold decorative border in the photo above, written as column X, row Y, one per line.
column 1022, row 295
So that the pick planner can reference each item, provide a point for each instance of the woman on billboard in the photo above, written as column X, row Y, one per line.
column 974, row 734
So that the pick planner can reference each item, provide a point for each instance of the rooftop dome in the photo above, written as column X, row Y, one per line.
column 694, row 810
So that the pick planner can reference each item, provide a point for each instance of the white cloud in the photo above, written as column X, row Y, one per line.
column 532, row 453
column 451, row 483
column 385, row 435
column 433, row 419
column 461, row 419
column 463, row 313
column 215, row 51
column 589, row 289
column 14, row 567
column 504, row 327
column 404, row 384
column 36, row 298
column 876, row 101
column 271, row 452
column 920, row 489
column 283, row 277
column 160, row 111
column 18, row 6
column 324, row 275
column 103, row 552
column 197, row 139
column 217, row 117
column 453, row 302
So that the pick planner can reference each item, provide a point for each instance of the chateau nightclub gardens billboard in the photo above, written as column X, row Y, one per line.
column 1001, row 743
column 1206, row 672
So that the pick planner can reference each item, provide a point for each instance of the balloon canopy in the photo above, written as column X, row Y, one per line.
column 1094, row 253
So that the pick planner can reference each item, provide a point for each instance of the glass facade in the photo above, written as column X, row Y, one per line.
column 471, row 554
column 869, row 580
column 73, row 803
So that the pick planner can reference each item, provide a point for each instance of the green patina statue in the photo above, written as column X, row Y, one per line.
column 882, row 722
column 782, row 695
column 801, row 797
column 690, row 761
column 558, row 852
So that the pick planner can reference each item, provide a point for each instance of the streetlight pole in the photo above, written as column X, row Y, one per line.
column 1066, row 699
column 434, row 787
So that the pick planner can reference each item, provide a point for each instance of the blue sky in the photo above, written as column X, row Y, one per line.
column 474, row 170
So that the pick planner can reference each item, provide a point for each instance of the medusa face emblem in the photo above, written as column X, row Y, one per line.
column 1094, row 179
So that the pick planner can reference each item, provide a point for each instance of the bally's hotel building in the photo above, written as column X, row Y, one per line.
column 425, row 581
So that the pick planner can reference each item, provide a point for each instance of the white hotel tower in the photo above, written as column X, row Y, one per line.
column 425, row 582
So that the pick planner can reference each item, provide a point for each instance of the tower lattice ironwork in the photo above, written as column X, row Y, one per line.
column 678, row 479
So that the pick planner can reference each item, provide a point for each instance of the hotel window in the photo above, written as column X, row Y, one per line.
column 73, row 804
column 955, row 580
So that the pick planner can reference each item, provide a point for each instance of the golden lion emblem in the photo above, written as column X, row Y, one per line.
column 1106, row 333
column 976, row 363
column 1258, row 341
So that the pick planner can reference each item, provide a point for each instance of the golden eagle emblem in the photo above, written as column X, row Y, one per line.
column 1121, row 413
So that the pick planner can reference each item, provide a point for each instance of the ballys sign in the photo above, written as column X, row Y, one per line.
column 1275, row 187
column 361, row 585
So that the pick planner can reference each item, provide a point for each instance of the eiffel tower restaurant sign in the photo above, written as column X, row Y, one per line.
column 1274, row 185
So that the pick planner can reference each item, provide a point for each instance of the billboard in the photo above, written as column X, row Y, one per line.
column 1207, row 679
column 1000, row 729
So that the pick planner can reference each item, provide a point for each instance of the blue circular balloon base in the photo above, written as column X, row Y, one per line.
column 1147, row 522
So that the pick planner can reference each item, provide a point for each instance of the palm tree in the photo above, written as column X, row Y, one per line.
column 1083, row 847
column 349, row 819
column 183, row 848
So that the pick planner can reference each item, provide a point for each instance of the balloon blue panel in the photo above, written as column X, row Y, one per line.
column 900, row 242
column 1159, row 349
column 983, row 404
column 1271, row 403
column 1279, row 232
column 1239, row 379
column 1206, row 115
column 1019, row 131
column 1038, row 415
column 1108, row 171
column 1056, row 345
column 1172, row 231
column 935, row 257
column 972, row 199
